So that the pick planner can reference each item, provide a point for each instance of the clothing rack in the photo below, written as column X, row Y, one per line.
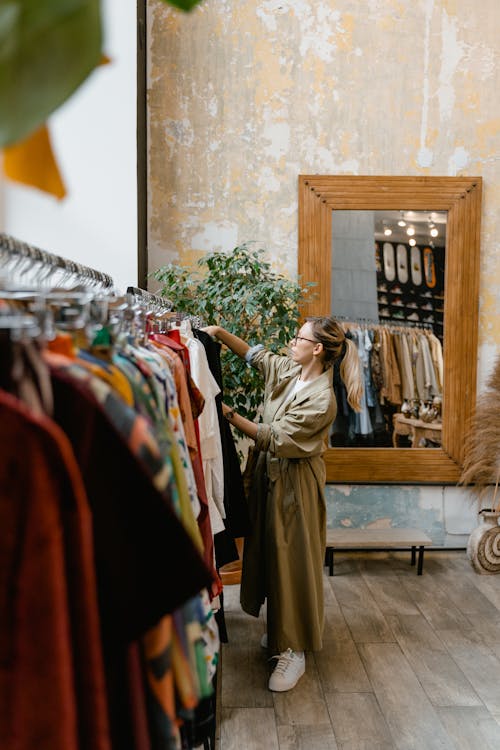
column 406, row 324
column 386, row 322
column 27, row 257
column 160, row 304
column 360, row 321
column 163, row 305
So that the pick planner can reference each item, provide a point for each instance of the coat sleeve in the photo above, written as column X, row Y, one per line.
column 271, row 366
column 300, row 432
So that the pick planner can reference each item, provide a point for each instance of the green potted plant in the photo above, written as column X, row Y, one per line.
column 239, row 290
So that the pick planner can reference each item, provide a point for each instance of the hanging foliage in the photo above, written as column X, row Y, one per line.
column 47, row 49
column 182, row 4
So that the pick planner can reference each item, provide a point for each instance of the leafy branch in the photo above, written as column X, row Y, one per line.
column 240, row 291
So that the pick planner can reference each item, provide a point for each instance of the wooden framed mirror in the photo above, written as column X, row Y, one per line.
column 460, row 197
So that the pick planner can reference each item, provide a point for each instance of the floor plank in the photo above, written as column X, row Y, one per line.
column 335, row 626
column 488, row 585
column 245, row 678
column 385, row 587
column 361, row 612
column 462, row 589
column 301, row 737
column 433, row 602
column 471, row 728
column 357, row 720
column 340, row 668
column 248, row 729
column 439, row 675
column 478, row 662
column 412, row 720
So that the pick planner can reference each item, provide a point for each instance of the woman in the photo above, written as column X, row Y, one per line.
column 283, row 556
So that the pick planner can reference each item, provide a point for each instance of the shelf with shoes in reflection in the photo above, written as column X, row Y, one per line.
column 418, row 423
column 420, row 434
column 410, row 284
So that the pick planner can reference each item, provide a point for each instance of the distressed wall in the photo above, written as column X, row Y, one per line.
column 246, row 95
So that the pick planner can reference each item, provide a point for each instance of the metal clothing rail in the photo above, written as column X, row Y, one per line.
column 153, row 300
column 384, row 323
column 26, row 253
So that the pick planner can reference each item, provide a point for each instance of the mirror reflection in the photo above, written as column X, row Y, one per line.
column 387, row 289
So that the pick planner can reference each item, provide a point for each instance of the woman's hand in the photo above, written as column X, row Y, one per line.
column 237, row 345
column 241, row 423
column 227, row 411
column 211, row 330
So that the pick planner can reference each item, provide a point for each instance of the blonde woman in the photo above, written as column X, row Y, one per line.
column 284, row 554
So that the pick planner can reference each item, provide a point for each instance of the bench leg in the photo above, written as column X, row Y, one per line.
column 329, row 560
column 413, row 555
column 420, row 560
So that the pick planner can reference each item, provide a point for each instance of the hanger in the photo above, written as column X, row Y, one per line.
column 23, row 262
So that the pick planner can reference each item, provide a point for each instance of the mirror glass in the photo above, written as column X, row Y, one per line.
column 387, row 289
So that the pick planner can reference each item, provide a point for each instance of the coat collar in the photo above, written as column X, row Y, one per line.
column 322, row 382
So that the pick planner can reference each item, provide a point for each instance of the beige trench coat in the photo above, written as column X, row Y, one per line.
column 284, row 554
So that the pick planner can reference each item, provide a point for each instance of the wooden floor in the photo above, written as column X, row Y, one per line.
column 409, row 663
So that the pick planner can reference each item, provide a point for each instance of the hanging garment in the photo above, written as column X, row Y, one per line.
column 361, row 420
column 52, row 691
column 137, row 536
column 210, row 439
column 197, row 402
column 405, row 366
column 236, row 513
column 437, row 359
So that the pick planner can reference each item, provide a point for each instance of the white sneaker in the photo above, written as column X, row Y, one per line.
column 263, row 641
column 288, row 671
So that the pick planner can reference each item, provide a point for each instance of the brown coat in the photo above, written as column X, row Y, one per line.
column 284, row 554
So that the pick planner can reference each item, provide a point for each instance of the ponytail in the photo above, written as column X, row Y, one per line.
column 337, row 347
column 350, row 372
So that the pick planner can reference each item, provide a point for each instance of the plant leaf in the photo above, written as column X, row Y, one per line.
column 47, row 49
column 182, row 4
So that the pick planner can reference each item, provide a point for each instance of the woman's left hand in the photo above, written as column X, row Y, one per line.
column 211, row 330
column 226, row 409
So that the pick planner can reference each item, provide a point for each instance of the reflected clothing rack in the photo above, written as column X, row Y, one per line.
column 401, row 368
column 385, row 323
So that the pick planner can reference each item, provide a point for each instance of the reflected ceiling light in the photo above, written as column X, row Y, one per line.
column 401, row 223
column 434, row 232
column 410, row 231
column 412, row 242
column 387, row 232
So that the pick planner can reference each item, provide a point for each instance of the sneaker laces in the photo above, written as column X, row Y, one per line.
column 284, row 661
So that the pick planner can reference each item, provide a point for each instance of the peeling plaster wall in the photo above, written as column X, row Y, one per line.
column 246, row 95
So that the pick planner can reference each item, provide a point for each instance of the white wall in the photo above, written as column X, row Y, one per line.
column 94, row 137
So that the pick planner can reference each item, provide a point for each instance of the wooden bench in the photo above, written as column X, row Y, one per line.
column 376, row 539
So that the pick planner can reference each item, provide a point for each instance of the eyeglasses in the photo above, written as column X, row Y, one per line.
column 302, row 338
